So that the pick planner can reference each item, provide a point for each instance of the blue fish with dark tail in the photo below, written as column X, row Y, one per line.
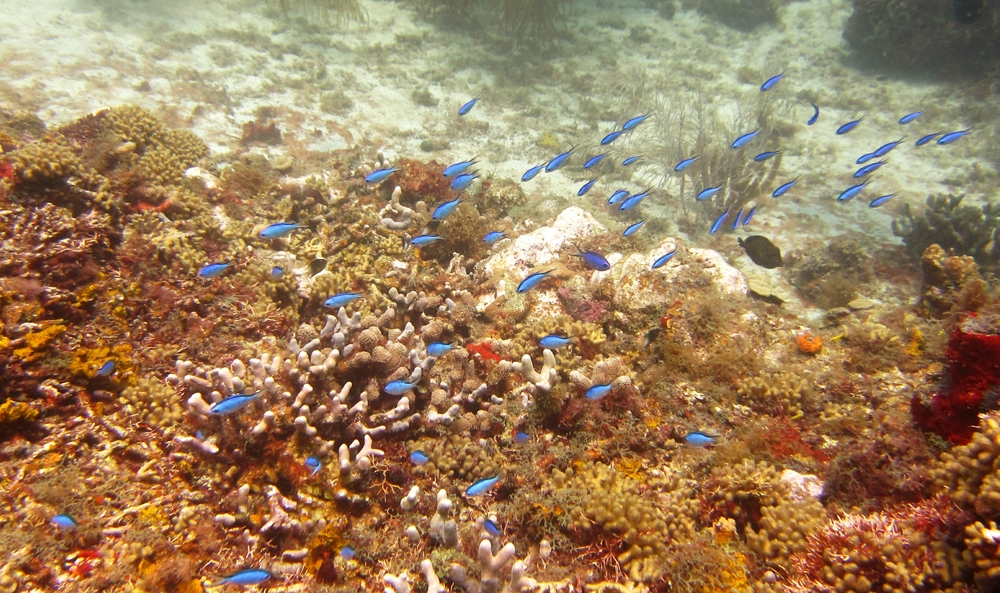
column 612, row 137
column 482, row 486
column 745, row 139
column 718, row 223
column 849, row 126
column 341, row 300
column 630, row 160
column 106, row 369
column 232, row 404
column 708, row 192
column 463, row 181
column 633, row 228
column 633, row 201
column 852, row 191
column 685, row 164
column 586, row 187
column 738, row 219
column 869, row 169
column 532, row 281
column 883, row 150
column 452, row 170
column 214, row 270
column 699, row 439
column 663, row 259
column 468, row 106
column 491, row 528
column 598, row 391
column 635, row 121
column 749, row 216
column 442, row 211
column 881, row 200
column 380, row 175
column 766, row 155
column 783, row 188
column 594, row 160
column 815, row 115
column 532, row 173
column 594, row 260
column 439, row 349
column 558, row 161
column 770, row 82
column 910, row 117
column 493, row 236
column 399, row 387
column 245, row 578
column 927, row 138
column 864, row 158
column 618, row 196
column 280, row 230
column 952, row 136
column 419, row 458
column 313, row 464
column 553, row 341
column 64, row 521
column 422, row 240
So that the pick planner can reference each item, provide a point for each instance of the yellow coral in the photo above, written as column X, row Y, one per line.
column 37, row 341
column 13, row 411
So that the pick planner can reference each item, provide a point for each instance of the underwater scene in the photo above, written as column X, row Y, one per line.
column 481, row 296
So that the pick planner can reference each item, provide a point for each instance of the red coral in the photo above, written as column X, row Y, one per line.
column 484, row 350
column 6, row 170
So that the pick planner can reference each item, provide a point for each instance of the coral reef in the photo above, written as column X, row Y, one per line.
column 956, row 228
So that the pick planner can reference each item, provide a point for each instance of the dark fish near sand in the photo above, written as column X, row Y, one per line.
column 316, row 266
column 761, row 251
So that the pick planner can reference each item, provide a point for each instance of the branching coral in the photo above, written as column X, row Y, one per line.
column 965, row 230
column 778, row 392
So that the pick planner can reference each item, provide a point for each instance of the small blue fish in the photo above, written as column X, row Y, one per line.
column 815, row 115
column 491, row 528
column 663, row 259
column 745, row 139
column 586, row 187
column 633, row 228
column 280, row 230
column 521, row 438
column 380, row 175
column 738, row 219
column 532, row 172
column 849, row 126
column 277, row 272
column 214, row 270
column 64, row 521
column 708, row 192
column 612, row 137
column 442, row 211
column 232, row 404
column 341, row 300
column 493, row 236
column 770, row 82
column 864, row 158
column 783, row 189
column 419, row 458
column 635, row 121
column 463, row 181
column 532, row 281
column 699, row 439
column 558, row 161
column 313, row 464
column 685, row 163
column 852, row 191
column 399, row 387
column 927, row 138
column 106, row 369
column 618, row 196
column 250, row 576
column 552, row 341
column 882, row 200
column 766, row 155
column 952, row 136
column 749, row 216
column 910, row 117
column 482, row 486
column 883, row 150
column 869, row 169
column 718, row 223
column 421, row 240
column 630, row 160
column 467, row 107
column 594, row 160
column 438, row 348
column 452, row 170
column 347, row 553
column 594, row 260
column 633, row 201
column 598, row 391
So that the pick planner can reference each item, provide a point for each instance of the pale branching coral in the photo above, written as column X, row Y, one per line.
column 777, row 392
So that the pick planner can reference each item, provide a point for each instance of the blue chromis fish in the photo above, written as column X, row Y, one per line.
column 699, row 439
column 106, row 369
column 633, row 201
column 749, row 216
column 244, row 578
column 927, row 138
column 612, row 137
column 463, row 181
column 594, row 260
column 869, row 169
column 460, row 167
column 232, row 404
column 64, row 521
column 482, row 486
column 341, row 300
column 770, row 82
column 766, row 155
column 380, row 175
column 277, row 272
column 313, row 464
column 586, row 187
column 633, row 228
column 594, row 160
column 493, row 236
column 558, row 161
column 532, row 281
column 214, row 270
column 738, row 219
column 630, row 160
column 783, row 188
column 882, row 200
column 663, row 259
column 442, row 211
column 852, row 191
column 883, row 150
column 952, row 136
column 618, row 196
column 521, row 437
column 864, row 158
column 685, row 163
column 468, row 106
column 552, row 341
column 491, row 528
column 280, row 230
column 849, row 126
column 419, row 458
column 438, row 348
column 347, row 553
column 399, row 387
column 910, row 117
column 532, row 172
column 745, row 139
column 635, row 121
column 718, row 223
column 815, row 115
column 421, row 240
column 708, row 192
column 598, row 391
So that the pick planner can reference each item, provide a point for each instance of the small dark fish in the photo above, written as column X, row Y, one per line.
column 952, row 136
column 491, row 527
column 910, row 117
column 250, row 576
column 718, row 223
column 766, row 155
column 663, row 259
column 869, row 169
column 313, row 464
column 594, row 160
column 341, row 300
column 532, row 281
column 439, row 349
column 849, row 126
column 745, row 139
column 635, row 121
column 594, row 260
column 650, row 337
column 468, row 106
column 883, row 150
column 532, row 173
column 419, row 458
column 852, row 191
column 586, row 187
column 493, row 236
column 598, row 391
column 399, row 387
column 442, row 211
column 553, row 341
column 738, row 219
column 106, row 369
column 380, row 175
column 316, row 266
column 279, row 230
column 864, row 158
column 815, row 115
column 421, row 240
column 347, row 553
column 633, row 228
column 882, row 200
column 783, row 189
column 277, row 272
column 618, row 196
column 630, row 160
column 686, row 163
column 482, row 486
column 708, row 192
column 214, row 270
column 761, row 251
column 452, row 170
column 699, row 439
column 232, row 404
column 770, row 82
column 64, row 521
column 749, row 216
column 927, row 138
column 463, row 181
column 612, row 137
column 558, row 161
